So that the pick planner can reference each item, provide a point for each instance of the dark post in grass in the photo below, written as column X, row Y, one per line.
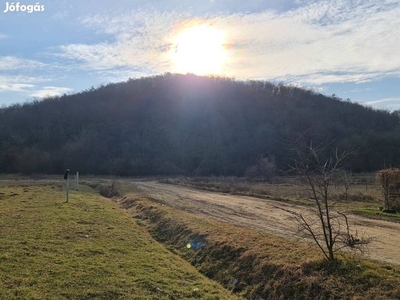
column 77, row 180
column 66, row 177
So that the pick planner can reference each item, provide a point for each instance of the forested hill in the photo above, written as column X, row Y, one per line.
column 186, row 124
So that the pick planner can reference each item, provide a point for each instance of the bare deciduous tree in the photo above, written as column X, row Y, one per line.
column 347, row 182
column 329, row 229
column 265, row 167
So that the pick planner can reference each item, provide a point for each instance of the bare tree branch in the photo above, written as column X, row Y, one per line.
column 324, row 226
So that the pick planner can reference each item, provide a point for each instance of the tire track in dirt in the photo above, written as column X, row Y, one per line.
column 267, row 215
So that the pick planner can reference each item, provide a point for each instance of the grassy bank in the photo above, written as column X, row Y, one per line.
column 261, row 266
column 85, row 249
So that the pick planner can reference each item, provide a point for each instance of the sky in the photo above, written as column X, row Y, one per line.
column 349, row 48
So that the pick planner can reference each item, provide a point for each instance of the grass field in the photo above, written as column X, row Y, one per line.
column 97, row 248
column 85, row 249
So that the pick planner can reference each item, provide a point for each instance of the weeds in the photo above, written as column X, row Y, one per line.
column 109, row 190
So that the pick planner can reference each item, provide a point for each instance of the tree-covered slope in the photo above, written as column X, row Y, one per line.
column 186, row 124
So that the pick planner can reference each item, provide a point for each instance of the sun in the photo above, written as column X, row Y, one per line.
column 199, row 50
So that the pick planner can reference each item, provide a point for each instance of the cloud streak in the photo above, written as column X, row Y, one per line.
column 11, row 63
column 10, row 79
column 50, row 91
column 392, row 103
column 17, row 83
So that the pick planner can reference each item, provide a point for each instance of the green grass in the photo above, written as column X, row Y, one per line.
column 375, row 213
column 85, row 249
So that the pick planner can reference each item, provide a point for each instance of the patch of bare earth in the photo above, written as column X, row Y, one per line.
column 267, row 215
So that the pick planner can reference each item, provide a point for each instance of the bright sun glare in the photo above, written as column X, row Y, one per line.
column 199, row 50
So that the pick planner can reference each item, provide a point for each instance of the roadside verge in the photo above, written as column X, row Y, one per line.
column 256, row 265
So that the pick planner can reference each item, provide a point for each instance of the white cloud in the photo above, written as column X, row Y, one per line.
column 15, row 87
column 93, row 57
column 118, row 75
column 384, row 100
column 329, row 41
column 360, row 90
column 319, row 42
column 28, row 86
column 17, row 83
column 34, row 74
column 139, row 42
column 392, row 103
column 9, row 63
column 50, row 91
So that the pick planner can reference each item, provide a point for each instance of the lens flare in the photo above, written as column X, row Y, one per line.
column 194, row 245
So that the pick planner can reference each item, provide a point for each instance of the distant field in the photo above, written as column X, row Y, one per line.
column 364, row 196
column 362, row 187
column 85, row 249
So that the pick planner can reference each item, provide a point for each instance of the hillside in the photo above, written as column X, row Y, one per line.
column 187, row 124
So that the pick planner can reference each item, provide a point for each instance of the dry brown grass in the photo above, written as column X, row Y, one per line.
column 263, row 265
column 289, row 189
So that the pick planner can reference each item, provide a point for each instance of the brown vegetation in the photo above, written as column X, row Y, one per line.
column 262, row 266
column 329, row 228
column 284, row 188
column 389, row 180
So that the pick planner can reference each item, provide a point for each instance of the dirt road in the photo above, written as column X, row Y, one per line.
column 267, row 215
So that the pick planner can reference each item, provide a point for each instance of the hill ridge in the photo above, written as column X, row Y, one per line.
column 186, row 124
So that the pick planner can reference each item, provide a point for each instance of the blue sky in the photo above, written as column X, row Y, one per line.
column 346, row 47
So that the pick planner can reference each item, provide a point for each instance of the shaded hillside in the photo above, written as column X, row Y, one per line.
column 186, row 124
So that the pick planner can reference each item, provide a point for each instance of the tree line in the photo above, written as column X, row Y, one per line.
column 187, row 124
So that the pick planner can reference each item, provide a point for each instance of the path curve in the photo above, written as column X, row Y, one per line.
column 267, row 215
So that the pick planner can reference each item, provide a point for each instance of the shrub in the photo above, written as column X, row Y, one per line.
column 110, row 190
column 389, row 180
